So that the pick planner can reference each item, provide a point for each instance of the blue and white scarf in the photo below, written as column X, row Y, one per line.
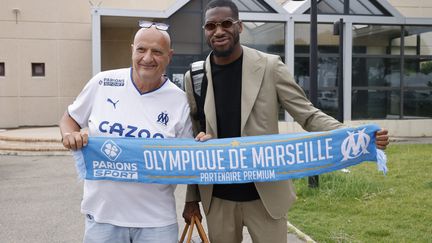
column 229, row 160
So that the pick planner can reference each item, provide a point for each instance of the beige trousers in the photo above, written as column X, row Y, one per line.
column 226, row 219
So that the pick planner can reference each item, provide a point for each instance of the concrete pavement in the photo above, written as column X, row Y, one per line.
column 40, row 199
column 40, row 194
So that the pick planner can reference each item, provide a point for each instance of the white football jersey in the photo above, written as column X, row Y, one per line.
column 110, row 105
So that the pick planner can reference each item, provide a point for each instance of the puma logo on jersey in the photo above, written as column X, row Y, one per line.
column 112, row 102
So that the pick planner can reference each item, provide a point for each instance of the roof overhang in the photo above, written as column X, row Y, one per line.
column 300, row 7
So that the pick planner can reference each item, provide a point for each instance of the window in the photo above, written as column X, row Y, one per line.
column 392, row 73
column 377, row 103
column 267, row 37
column 2, row 69
column 328, row 59
column 38, row 69
column 376, row 75
column 417, row 79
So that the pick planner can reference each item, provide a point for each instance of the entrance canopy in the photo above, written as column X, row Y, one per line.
column 386, row 56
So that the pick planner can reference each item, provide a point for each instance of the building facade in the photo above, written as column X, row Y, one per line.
column 50, row 49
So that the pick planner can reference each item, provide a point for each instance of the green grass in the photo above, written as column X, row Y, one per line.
column 365, row 206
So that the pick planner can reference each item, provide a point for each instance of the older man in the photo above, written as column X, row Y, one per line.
column 132, row 102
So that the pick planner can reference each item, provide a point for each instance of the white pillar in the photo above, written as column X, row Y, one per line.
column 347, row 70
column 289, row 53
column 96, row 41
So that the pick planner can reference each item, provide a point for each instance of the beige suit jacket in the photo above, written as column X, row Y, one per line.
column 266, row 83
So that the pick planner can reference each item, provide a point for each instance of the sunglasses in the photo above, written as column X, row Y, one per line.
column 226, row 24
column 148, row 24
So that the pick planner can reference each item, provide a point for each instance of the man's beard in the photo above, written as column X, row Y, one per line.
column 225, row 53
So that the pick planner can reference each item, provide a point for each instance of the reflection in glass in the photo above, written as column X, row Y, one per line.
column 301, row 72
column 327, row 72
column 418, row 73
column 373, row 104
column 327, row 82
column 376, row 39
column 370, row 71
column 266, row 37
column 327, row 42
column 328, row 49
column 328, row 102
column 376, row 72
column 418, row 40
column 418, row 104
column 418, row 61
column 188, row 43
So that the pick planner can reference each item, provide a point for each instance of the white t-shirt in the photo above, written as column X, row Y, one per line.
column 110, row 105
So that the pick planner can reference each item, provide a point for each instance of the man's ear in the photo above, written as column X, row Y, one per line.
column 170, row 54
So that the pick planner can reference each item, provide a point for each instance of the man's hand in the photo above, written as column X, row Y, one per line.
column 382, row 139
column 75, row 140
column 191, row 209
column 202, row 137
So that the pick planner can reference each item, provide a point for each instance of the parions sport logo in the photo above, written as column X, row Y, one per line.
column 112, row 82
column 355, row 144
column 113, row 168
column 111, row 150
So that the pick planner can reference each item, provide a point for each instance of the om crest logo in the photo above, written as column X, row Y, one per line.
column 163, row 118
column 111, row 150
column 355, row 145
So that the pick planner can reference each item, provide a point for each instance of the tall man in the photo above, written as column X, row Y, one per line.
column 131, row 102
column 245, row 88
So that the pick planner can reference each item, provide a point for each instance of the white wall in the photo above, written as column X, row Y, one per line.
column 413, row 8
column 56, row 33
